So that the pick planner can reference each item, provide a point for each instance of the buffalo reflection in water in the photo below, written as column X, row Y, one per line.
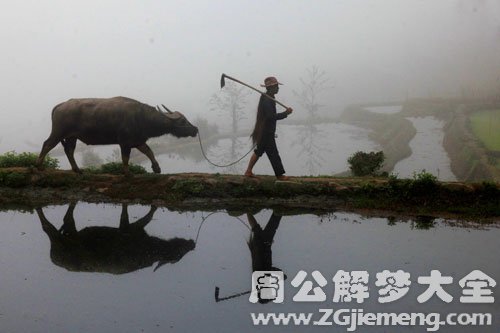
column 111, row 250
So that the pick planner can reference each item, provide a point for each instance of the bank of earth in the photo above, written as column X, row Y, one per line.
column 26, row 188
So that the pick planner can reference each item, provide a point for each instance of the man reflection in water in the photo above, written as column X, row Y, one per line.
column 261, row 241
column 260, row 244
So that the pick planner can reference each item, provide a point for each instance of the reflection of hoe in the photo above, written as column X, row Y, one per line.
column 218, row 299
column 269, row 288
column 217, row 289
column 260, row 290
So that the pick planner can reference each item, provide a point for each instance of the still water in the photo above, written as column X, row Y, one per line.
column 117, row 268
column 427, row 151
column 393, row 109
column 427, row 148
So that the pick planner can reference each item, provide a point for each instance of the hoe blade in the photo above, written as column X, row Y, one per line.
column 222, row 80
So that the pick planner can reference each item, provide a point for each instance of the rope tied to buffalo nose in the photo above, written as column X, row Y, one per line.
column 219, row 165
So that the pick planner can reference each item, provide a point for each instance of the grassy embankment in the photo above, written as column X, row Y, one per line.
column 486, row 127
column 471, row 160
column 423, row 195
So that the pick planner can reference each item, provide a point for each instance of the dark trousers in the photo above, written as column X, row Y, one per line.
column 260, row 245
column 268, row 145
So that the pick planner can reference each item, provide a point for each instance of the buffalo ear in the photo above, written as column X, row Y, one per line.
column 173, row 115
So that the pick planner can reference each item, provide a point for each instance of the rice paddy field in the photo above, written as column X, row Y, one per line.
column 486, row 126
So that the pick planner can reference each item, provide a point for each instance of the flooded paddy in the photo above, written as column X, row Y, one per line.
column 427, row 151
column 118, row 268
column 427, row 148
column 392, row 109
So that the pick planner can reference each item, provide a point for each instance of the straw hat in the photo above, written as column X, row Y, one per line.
column 270, row 81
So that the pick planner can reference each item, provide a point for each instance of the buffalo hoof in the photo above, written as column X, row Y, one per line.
column 78, row 171
column 156, row 168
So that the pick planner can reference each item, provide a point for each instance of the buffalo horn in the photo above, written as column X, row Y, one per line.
column 166, row 109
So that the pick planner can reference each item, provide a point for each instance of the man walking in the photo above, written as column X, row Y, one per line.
column 265, row 130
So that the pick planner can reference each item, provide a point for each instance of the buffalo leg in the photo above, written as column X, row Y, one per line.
column 69, row 226
column 125, row 158
column 124, row 220
column 50, row 143
column 143, row 221
column 149, row 153
column 69, row 145
column 49, row 229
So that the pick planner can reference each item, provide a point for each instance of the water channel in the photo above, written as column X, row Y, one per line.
column 427, row 151
column 116, row 268
column 427, row 147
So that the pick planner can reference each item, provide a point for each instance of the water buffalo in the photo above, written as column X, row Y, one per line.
column 110, row 250
column 117, row 120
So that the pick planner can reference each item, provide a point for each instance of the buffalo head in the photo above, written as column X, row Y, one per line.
column 181, row 127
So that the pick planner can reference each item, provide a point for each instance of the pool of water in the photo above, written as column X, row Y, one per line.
column 427, row 151
column 117, row 268
column 393, row 109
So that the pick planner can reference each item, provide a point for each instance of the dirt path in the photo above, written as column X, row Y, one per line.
column 27, row 188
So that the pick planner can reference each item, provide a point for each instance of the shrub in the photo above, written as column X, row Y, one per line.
column 189, row 186
column 13, row 179
column 116, row 168
column 364, row 164
column 422, row 184
column 489, row 189
column 12, row 159
column 424, row 179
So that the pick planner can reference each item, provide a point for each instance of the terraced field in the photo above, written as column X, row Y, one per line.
column 486, row 126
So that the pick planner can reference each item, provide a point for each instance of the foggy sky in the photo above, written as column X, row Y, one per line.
column 173, row 52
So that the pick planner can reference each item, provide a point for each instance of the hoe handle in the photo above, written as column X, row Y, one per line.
column 257, row 90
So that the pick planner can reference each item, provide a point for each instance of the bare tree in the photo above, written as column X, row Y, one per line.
column 313, row 85
column 231, row 102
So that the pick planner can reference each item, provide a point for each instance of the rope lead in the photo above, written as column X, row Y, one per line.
column 218, row 165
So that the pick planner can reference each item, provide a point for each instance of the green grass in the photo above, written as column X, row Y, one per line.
column 12, row 159
column 486, row 126
column 116, row 168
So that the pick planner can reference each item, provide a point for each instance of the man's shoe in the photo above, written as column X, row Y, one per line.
column 283, row 178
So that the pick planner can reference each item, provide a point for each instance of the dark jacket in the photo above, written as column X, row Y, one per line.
column 266, row 118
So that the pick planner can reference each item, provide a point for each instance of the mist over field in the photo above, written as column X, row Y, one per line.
column 174, row 52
